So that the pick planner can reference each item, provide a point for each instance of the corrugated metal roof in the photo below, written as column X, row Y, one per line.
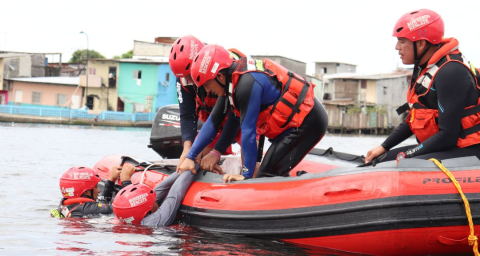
column 49, row 80
column 163, row 60
column 272, row 56
column 10, row 55
column 335, row 62
column 368, row 76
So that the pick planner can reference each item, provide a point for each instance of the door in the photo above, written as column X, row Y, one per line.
column 75, row 102
column 120, row 105
column 90, row 102
column 18, row 96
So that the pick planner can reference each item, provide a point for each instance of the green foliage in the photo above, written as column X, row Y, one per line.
column 354, row 110
column 81, row 56
column 127, row 55
column 372, row 109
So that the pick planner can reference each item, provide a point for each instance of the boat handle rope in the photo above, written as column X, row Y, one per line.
column 472, row 239
column 145, row 171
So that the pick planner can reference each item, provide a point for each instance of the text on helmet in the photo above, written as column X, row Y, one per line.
column 415, row 23
column 193, row 49
column 82, row 176
column 205, row 62
column 138, row 199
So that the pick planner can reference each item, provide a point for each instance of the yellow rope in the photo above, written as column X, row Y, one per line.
column 472, row 239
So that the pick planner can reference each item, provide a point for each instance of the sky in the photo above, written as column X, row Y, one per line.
column 357, row 32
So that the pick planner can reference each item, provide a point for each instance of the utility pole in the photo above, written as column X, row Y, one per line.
column 87, row 71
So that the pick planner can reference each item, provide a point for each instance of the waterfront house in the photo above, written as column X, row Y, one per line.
column 18, row 64
column 103, row 84
column 145, row 85
column 55, row 92
column 333, row 67
column 365, row 101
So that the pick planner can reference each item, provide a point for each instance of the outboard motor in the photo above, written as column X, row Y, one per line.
column 166, row 137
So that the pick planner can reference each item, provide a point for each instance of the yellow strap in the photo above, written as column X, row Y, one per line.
column 472, row 239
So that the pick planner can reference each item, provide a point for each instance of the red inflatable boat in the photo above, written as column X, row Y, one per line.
column 409, row 209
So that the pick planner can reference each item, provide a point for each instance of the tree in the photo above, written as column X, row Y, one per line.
column 81, row 55
column 127, row 55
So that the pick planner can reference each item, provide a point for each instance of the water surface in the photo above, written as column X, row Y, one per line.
column 33, row 158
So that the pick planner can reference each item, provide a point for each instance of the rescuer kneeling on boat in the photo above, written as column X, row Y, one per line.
column 140, row 204
column 443, row 97
column 80, row 192
column 196, row 104
column 270, row 101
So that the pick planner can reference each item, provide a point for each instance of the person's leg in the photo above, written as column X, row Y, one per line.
column 286, row 152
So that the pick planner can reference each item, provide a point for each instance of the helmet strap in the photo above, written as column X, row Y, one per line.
column 224, row 86
column 218, row 82
column 416, row 68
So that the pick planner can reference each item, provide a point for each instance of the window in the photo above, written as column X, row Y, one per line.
column 112, row 76
column 36, row 97
column 364, row 84
column 61, row 99
column 384, row 90
column 167, row 77
column 92, row 71
column 137, row 74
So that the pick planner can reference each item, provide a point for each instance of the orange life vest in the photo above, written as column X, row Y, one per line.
column 422, row 120
column 289, row 111
column 79, row 200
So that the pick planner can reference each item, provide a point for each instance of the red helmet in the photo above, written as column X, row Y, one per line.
column 77, row 180
column 182, row 53
column 209, row 61
column 420, row 24
column 133, row 202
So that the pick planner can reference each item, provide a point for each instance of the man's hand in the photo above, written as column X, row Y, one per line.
column 217, row 169
column 127, row 171
column 374, row 152
column 210, row 161
column 188, row 164
column 227, row 178
column 187, row 145
column 114, row 173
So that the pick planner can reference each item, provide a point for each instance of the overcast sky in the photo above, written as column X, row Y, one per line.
column 357, row 32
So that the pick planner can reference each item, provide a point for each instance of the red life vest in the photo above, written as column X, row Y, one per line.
column 289, row 111
column 205, row 104
column 422, row 120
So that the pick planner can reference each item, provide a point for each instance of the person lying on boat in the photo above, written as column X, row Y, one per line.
column 195, row 103
column 81, row 194
column 443, row 96
column 140, row 204
column 270, row 101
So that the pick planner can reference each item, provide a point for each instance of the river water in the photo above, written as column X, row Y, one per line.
column 34, row 156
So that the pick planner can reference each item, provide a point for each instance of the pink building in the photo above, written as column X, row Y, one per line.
column 3, row 97
column 47, row 91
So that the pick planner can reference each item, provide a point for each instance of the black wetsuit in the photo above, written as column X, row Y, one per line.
column 453, row 90
column 102, row 206
column 189, row 118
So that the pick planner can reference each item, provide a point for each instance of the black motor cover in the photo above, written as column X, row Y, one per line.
column 166, row 137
